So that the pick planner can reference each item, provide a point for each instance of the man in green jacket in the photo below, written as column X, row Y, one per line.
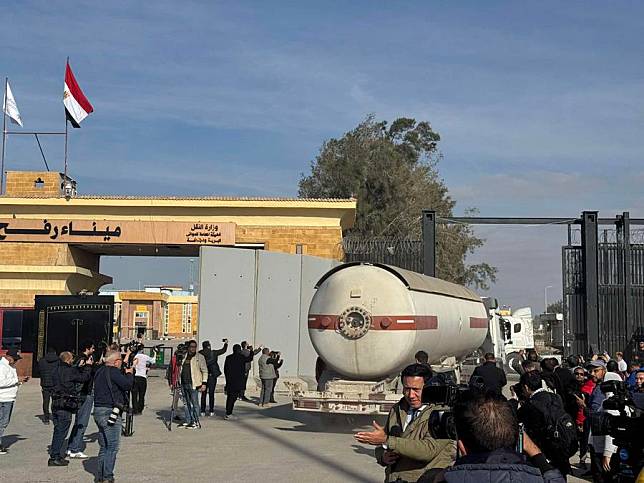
column 406, row 446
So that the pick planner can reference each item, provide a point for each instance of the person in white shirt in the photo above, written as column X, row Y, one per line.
column 140, row 386
column 622, row 367
column 9, row 382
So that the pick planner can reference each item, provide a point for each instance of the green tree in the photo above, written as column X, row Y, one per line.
column 392, row 171
column 555, row 307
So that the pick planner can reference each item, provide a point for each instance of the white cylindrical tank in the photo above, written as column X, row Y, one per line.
column 366, row 321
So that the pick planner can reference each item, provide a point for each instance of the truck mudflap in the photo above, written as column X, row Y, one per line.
column 344, row 403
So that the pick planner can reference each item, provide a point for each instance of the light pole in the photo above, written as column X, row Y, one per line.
column 545, row 297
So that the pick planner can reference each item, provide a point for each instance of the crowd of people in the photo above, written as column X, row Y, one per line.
column 529, row 433
column 113, row 387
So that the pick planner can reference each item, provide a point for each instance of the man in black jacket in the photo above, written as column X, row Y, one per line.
column 247, row 350
column 86, row 393
column 493, row 377
column 65, row 403
column 536, row 414
column 213, row 373
column 110, row 388
column 46, row 367
column 488, row 432
column 235, row 372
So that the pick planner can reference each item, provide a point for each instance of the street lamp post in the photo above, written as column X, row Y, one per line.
column 545, row 297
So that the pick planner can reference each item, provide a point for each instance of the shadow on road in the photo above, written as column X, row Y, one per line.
column 90, row 465
column 11, row 439
column 311, row 454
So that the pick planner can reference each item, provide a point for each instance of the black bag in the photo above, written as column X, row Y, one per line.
column 560, row 430
column 63, row 398
column 66, row 402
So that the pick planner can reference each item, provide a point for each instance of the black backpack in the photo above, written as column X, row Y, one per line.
column 560, row 431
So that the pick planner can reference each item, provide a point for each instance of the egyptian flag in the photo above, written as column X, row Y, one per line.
column 77, row 107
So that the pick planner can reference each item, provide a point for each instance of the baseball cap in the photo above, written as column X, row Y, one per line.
column 13, row 353
column 597, row 363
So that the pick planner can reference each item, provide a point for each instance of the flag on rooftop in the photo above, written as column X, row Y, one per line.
column 9, row 106
column 77, row 107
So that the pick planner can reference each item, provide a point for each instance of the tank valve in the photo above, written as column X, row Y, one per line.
column 354, row 322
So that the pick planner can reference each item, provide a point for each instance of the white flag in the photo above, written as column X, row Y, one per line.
column 10, row 108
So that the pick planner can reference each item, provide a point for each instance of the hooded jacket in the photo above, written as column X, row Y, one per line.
column 500, row 465
column 46, row 367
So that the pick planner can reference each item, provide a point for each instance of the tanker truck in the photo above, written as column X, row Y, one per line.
column 367, row 320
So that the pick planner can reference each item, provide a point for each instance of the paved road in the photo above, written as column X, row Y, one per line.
column 273, row 444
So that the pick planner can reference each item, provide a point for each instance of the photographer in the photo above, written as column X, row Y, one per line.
column 488, row 433
column 406, row 446
column 86, row 394
column 213, row 373
column 140, row 385
column 247, row 351
column 276, row 360
column 110, row 388
column 194, row 377
column 66, row 401
column 544, row 416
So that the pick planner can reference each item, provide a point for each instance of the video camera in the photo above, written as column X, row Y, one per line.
column 626, row 428
column 441, row 421
column 180, row 352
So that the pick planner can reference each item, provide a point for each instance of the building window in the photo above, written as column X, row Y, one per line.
column 166, row 319
column 141, row 319
column 186, row 319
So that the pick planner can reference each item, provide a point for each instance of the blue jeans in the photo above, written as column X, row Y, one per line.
column 62, row 421
column 5, row 416
column 109, row 438
column 190, row 403
column 75, row 443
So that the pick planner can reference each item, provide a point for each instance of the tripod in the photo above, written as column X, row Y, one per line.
column 176, row 395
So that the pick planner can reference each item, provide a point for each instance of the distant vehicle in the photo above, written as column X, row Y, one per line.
column 515, row 331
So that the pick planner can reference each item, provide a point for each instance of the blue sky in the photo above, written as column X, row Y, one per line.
column 540, row 105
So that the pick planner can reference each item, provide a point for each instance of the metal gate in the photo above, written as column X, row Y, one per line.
column 403, row 253
column 620, row 290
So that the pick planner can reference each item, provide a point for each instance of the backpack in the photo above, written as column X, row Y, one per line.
column 560, row 431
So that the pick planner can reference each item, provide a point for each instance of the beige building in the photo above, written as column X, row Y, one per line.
column 52, row 244
column 155, row 312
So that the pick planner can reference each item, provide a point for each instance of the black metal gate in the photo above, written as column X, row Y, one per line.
column 401, row 253
column 620, row 296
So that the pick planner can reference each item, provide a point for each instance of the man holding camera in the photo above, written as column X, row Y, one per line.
column 211, row 357
column 110, row 388
column 86, row 394
column 140, row 386
column 406, row 446
column 488, row 434
column 194, row 377
column 66, row 401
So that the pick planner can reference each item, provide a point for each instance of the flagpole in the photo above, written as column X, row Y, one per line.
column 66, row 123
column 4, row 134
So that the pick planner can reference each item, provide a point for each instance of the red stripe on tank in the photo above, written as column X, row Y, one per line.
column 478, row 322
column 379, row 322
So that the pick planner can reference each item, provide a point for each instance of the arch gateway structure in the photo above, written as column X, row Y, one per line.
column 51, row 244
